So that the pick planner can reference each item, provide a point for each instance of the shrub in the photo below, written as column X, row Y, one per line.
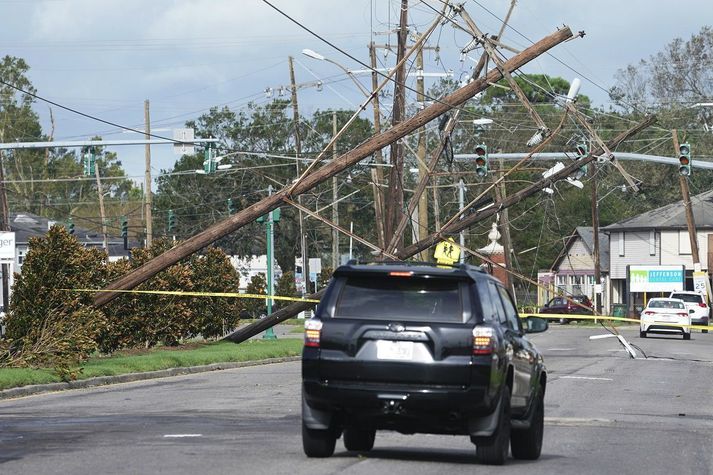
column 49, row 325
column 213, row 272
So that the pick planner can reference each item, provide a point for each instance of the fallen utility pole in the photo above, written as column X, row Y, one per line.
column 347, row 160
column 469, row 220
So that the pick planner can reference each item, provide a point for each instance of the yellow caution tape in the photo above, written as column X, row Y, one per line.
column 573, row 316
column 198, row 294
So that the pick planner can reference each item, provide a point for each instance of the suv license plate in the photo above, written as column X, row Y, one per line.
column 394, row 350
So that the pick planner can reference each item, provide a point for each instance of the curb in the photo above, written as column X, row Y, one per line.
column 34, row 389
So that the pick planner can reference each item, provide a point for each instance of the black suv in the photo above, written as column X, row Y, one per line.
column 414, row 347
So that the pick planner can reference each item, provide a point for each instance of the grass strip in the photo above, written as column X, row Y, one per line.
column 196, row 354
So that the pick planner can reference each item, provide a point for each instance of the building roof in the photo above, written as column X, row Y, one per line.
column 586, row 234
column 28, row 225
column 672, row 216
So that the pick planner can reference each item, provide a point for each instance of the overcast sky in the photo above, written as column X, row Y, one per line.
column 105, row 57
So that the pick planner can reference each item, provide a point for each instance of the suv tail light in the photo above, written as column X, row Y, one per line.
column 313, row 331
column 483, row 340
column 703, row 304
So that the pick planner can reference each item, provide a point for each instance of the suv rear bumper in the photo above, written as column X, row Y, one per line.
column 405, row 408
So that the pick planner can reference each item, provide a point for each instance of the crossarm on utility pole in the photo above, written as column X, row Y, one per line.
column 492, row 53
column 347, row 160
column 606, row 150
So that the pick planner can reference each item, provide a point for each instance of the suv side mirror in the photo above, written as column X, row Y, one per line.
column 535, row 325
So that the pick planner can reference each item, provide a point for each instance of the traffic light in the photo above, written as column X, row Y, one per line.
column 124, row 227
column 89, row 163
column 231, row 206
column 582, row 152
column 171, row 220
column 684, row 159
column 481, row 160
column 209, row 165
column 70, row 226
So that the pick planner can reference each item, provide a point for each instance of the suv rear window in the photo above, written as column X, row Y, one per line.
column 409, row 299
column 691, row 298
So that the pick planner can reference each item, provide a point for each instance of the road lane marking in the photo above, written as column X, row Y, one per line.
column 560, row 349
column 592, row 378
column 578, row 421
column 180, row 436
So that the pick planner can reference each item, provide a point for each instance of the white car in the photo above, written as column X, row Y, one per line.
column 696, row 302
column 665, row 315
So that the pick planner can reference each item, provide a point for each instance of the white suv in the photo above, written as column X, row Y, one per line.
column 696, row 302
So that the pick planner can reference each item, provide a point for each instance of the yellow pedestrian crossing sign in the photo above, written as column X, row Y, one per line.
column 447, row 252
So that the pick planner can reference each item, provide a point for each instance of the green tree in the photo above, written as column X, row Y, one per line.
column 150, row 319
column 285, row 287
column 256, row 286
column 213, row 272
column 49, row 324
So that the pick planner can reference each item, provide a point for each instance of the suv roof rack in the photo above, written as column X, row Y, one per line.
column 456, row 265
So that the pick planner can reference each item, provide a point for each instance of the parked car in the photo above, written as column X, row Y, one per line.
column 696, row 302
column 419, row 348
column 665, row 315
column 561, row 305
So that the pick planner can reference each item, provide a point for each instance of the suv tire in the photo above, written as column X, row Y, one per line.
column 495, row 450
column 686, row 336
column 359, row 440
column 318, row 442
column 642, row 334
column 526, row 444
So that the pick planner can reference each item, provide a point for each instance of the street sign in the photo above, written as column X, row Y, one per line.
column 183, row 135
column 7, row 246
column 447, row 252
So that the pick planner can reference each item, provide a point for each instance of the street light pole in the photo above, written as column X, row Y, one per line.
column 314, row 55
column 270, row 333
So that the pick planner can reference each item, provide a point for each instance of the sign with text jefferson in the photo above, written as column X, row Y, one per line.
column 7, row 246
column 656, row 278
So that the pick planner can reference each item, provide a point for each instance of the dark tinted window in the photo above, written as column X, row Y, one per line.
column 665, row 304
column 497, row 303
column 510, row 311
column 400, row 298
column 486, row 303
column 688, row 298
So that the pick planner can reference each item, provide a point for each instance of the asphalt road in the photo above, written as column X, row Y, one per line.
column 605, row 413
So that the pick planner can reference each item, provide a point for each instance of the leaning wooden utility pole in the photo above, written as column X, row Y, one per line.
column 308, row 182
column 376, row 176
column 395, row 193
column 504, row 225
column 690, row 222
column 100, row 192
column 335, row 199
column 294, row 308
column 148, row 199
column 422, row 226
column 595, row 237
